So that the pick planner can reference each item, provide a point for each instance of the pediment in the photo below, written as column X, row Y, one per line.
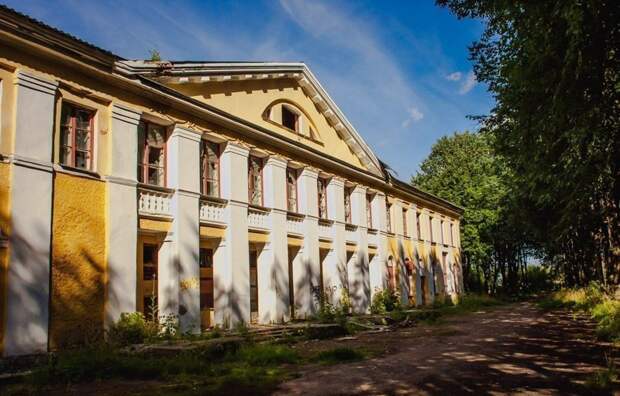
column 261, row 93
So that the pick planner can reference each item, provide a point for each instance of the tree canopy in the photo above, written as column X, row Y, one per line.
column 552, row 67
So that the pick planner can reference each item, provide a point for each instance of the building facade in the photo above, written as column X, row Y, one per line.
column 215, row 193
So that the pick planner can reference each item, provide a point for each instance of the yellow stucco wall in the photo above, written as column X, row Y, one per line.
column 78, row 260
column 248, row 100
column 5, row 185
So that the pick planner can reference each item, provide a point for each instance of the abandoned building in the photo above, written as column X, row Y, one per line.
column 214, row 192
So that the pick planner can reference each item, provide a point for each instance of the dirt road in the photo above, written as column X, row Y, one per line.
column 514, row 349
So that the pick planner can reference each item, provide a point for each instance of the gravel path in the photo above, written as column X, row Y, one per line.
column 514, row 349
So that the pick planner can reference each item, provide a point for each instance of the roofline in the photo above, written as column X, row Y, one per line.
column 176, row 68
column 29, row 29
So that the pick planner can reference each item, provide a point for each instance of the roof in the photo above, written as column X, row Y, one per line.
column 38, row 32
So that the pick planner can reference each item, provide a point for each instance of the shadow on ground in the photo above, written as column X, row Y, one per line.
column 515, row 349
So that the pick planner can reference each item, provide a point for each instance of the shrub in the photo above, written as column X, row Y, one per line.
column 607, row 316
column 384, row 301
column 132, row 328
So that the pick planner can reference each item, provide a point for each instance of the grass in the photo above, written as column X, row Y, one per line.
column 603, row 308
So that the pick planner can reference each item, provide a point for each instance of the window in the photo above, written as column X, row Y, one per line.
column 149, row 279
column 417, row 224
column 441, row 232
column 405, row 232
column 255, row 181
column 451, row 235
column 210, row 169
column 76, row 136
column 291, row 189
column 347, row 206
column 388, row 217
column 322, row 197
column 430, row 228
column 369, row 210
column 151, row 154
column 290, row 119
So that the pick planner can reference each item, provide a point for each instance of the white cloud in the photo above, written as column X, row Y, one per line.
column 456, row 76
column 469, row 83
column 415, row 115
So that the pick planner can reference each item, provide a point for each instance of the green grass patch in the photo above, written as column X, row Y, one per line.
column 603, row 308
column 339, row 355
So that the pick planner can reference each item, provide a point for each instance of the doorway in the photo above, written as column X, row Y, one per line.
column 206, row 288
column 147, row 278
column 253, row 285
column 293, row 251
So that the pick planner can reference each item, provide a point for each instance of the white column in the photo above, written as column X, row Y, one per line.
column 273, row 293
column 231, row 271
column 28, row 275
column 399, row 228
column 378, row 273
column 183, row 174
column 359, row 271
column 306, row 269
column 334, row 266
column 122, row 215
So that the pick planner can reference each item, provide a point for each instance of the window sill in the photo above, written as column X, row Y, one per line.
column 209, row 198
column 155, row 187
column 372, row 230
column 326, row 221
column 259, row 208
column 70, row 170
column 295, row 215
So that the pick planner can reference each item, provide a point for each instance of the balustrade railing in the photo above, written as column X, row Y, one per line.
column 212, row 211
column 154, row 202
column 294, row 224
column 258, row 218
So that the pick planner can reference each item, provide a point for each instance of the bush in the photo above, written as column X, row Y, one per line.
column 385, row 301
column 132, row 328
column 607, row 316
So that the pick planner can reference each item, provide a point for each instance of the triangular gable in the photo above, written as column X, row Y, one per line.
column 204, row 72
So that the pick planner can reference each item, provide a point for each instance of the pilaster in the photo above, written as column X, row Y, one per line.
column 273, row 276
column 378, row 272
column 28, row 277
column 122, row 214
column 307, row 270
column 359, row 270
column 183, row 175
column 334, row 266
column 231, row 272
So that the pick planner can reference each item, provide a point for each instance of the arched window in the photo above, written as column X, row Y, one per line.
column 290, row 117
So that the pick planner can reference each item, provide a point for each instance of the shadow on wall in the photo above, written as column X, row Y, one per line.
column 359, row 289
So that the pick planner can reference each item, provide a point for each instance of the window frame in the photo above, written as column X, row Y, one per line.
column 388, row 217
column 296, row 116
column 204, row 168
column 294, row 172
column 251, row 186
column 404, row 214
column 369, row 211
column 430, row 229
column 143, row 162
column 417, row 223
column 322, row 186
column 348, row 212
column 73, row 133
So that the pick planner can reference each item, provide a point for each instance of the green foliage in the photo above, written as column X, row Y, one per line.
column 267, row 354
column 603, row 379
column 384, row 301
column 603, row 308
column 155, row 56
column 339, row 355
column 132, row 328
column 552, row 67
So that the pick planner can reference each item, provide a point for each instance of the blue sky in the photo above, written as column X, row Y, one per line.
column 398, row 70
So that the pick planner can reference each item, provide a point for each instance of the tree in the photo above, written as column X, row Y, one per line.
column 463, row 169
column 552, row 67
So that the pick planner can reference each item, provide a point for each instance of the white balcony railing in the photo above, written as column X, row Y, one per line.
column 294, row 224
column 325, row 229
column 154, row 202
column 258, row 219
column 350, row 233
column 212, row 211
